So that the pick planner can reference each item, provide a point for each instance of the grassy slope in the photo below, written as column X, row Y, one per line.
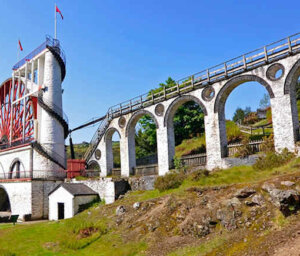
column 61, row 238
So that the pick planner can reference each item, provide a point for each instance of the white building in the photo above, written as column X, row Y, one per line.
column 68, row 199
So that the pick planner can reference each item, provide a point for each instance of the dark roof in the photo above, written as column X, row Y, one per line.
column 76, row 189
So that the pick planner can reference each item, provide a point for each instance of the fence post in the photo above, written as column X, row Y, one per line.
column 208, row 78
column 141, row 101
column 245, row 63
column 266, row 54
column 225, row 69
column 152, row 96
column 165, row 92
column 178, row 89
column 290, row 45
column 192, row 81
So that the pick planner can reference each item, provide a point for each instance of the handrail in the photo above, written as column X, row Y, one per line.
column 250, row 60
column 232, row 67
column 50, row 42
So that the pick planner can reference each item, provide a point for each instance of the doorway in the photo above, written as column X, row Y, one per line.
column 61, row 211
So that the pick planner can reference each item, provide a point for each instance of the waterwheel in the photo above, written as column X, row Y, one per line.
column 16, row 121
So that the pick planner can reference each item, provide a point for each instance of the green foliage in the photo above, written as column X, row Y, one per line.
column 233, row 132
column 188, row 121
column 145, row 138
column 83, row 233
column 6, row 253
column 178, row 163
column 273, row 159
column 199, row 174
column 240, row 114
column 268, row 144
column 245, row 149
column 169, row 83
column 195, row 145
column 169, row 181
column 79, row 150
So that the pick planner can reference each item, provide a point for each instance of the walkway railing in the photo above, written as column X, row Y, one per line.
column 27, row 175
column 251, row 60
column 51, row 42
column 247, row 61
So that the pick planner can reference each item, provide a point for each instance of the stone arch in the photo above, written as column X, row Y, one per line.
column 2, row 173
column 291, row 78
column 93, row 165
column 16, row 168
column 109, row 157
column 290, row 88
column 219, row 106
column 178, row 102
column 136, row 116
column 130, row 136
column 5, row 205
column 235, row 82
column 109, row 133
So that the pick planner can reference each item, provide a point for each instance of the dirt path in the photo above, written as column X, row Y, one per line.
column 290, row 248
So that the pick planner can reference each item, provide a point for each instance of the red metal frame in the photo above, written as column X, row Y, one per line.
column 13, row 117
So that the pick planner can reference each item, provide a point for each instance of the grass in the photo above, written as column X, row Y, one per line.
column 260, row 123
column 234, row 175
column 200, row 250
column 187, row 146
column 62, row 238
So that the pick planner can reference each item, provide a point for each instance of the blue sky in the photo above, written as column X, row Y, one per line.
column 120, row 49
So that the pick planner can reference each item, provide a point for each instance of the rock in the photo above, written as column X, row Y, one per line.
column 258, row 200
column 287, row 183
column 234, row 202
column 249, row 203
column 244, row 193
column 248, row 224
column 268, row 187
column 288, row 201
column 120, row 210
column 227, row 218
column 136, row 205
column 121, row 197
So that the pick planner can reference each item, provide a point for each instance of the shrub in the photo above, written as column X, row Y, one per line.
column 268, row 144
column 199, row 174
column 273, row 159
column 169, row 181
column 245, row 149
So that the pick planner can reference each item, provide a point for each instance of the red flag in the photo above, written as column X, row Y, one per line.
column 20, row 45
column 57, row 10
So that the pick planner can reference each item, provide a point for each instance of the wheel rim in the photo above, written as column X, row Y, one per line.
column 9, row 93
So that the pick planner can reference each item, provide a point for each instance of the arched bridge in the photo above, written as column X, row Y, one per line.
column 275, row 66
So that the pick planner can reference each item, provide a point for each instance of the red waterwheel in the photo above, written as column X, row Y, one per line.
column 22, row 124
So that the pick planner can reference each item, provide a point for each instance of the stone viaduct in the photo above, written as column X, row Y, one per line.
column 275, row 66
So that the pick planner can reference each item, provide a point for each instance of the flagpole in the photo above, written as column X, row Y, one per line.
column 18, row 55
column 55, row 21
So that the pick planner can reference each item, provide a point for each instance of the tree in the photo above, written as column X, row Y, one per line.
column 265, row 101
column 238, row 115
column 145, row 137
column 188, row 122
